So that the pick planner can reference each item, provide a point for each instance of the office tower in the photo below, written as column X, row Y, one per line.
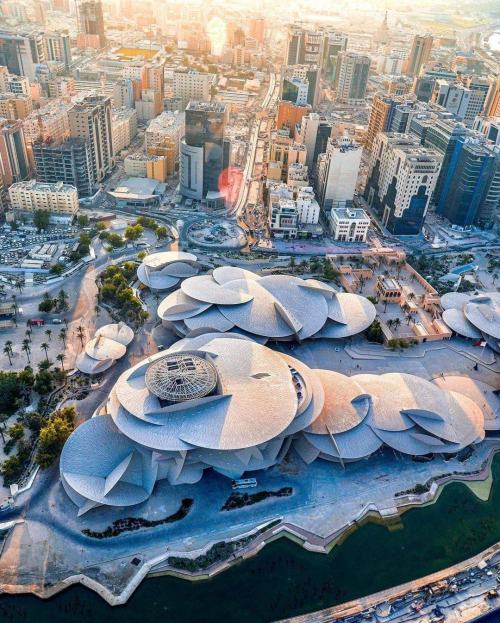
column 382, row 106
column 204, row 152
column 397, row 85
column 337, row 172
column 401, row 118
column 18, row 54
column 14, row 164
column 334, row 42
column 123, row 93
column 352, row 77
column 294, row 46
column 488, row 127
column 191, row 85
column 15, row 106
column 58, row 47
column 463, row 102
column 91, row 22
column 401, row 178
column 423, row 87
column 257, row 29
column 419, row 55
column 295, row 90
column 314, row 132
column 290, row 114
column 70, row 162
column 469, row 191
column 90, row 119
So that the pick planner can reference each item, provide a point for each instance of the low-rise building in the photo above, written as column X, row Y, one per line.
column 59, row 199
column 349, row 224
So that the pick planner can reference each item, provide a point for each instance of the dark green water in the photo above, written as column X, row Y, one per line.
column 285, row 580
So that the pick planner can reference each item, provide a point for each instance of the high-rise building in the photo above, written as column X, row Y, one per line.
column 257, row 29
column 191, row 85
column 14, row 164
column 334, row 42
column 465, row 103
column 294, row 46
column 419, row 55
column 124, row 128
column 58, row 47
column 19, row 54
column 69, row 162
column 469, row 192
column 337, row 172
column 352, row 77
column 163, row 137
column 401, row 178
column 90, row 119
column 15, row 106
column 91, row 21
column 382, row 106
column 123, row 93
column 295, row 90
column 314, row 132
column 204, row 150
column 492, row 107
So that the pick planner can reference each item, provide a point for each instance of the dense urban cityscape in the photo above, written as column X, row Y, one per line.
column 249, row 311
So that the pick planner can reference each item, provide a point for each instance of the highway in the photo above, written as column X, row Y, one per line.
column 268, row 103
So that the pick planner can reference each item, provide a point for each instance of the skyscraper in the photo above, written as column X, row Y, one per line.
column 69, row 162
column 401, row 178
column 14, row 165
column 18, row 54
column 419, row 55
column 204, row 152
column 91, row 20
column 469, row 192
column 90, row 119
column 338, row 172
column 352, row 77
column 334, row 42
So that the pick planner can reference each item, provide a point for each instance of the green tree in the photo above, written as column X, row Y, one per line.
column 115, row 241
column 62, row 336
column 100, row 226
column 83, row 220
column 80, row 334
column 45, row 347
column 161, row 232
column 41, row 219
column 57, row 269
column 54, row 434
column 134, row 232
column 48, row 333
column 46, row 305
column 16, row 431
column 43, row 382
column 61, row 357
column 26, row 349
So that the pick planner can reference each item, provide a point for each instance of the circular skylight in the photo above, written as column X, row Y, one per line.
column 181, row 376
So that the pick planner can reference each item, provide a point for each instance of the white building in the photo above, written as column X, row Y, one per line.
column 298, row 176
column 59, row 199
column 337, row 172
column 401, row 178
column 169, row 126
column 349, row 224
column 192, row 85
column 391, row 64
column 464, row 102
column 307, row 207
column 124, row 128
column 10, row 83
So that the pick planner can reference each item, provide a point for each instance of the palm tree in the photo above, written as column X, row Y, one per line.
column 80, row 334
column 61, row 357
column 397, row 323
column 48, row 333
column 19, row 286
column 63, row 300
column 27, row 333
column 62, row 336
column 97, row 310
column 65, row 320
column 45, row 347
column 7, row 351
column 26, row 348
column 390, row 322
column 14, row 300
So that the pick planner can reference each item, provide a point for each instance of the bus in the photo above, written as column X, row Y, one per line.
column 244, row 483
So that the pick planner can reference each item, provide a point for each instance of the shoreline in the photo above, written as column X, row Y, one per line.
column 157, row 565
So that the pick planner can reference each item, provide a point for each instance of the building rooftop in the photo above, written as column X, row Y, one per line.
column 206, row 106
column 59, row 187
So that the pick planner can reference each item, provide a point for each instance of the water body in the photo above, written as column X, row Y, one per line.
column 285, row 580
